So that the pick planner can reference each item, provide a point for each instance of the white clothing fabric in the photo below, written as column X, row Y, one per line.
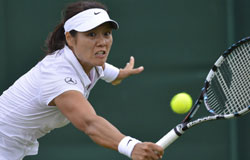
column 11, row 149
column 25, row 114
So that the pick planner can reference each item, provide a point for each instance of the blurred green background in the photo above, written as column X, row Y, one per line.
column 177, row 41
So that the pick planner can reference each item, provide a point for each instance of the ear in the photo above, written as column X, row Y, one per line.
column 69, row 39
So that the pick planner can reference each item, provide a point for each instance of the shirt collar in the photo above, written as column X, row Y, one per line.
column 71, row 58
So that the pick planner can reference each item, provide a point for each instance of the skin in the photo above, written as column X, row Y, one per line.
column 80, row 112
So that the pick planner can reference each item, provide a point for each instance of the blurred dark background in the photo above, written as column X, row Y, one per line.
column 177, row 41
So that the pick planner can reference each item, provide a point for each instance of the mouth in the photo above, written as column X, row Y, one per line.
column 100, row 54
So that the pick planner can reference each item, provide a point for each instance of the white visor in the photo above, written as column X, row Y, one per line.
column 88, row 19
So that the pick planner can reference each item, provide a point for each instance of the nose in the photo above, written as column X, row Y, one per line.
column 101, row 41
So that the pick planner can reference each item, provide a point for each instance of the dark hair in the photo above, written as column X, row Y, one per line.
column 56, row 40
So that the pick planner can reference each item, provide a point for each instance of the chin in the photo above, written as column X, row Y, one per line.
column 100, row 63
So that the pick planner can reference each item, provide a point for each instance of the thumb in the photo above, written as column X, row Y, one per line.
column 137, row 70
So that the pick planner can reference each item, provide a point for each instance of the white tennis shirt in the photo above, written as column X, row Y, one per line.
column 24, row 112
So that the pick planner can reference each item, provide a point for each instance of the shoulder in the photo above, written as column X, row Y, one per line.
column 56, row 71
column 55, row 64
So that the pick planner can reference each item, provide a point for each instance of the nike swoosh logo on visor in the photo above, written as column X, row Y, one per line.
column 96, row 13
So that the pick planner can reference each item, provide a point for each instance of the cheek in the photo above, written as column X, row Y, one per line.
column 110, row 43
column 79, row 53
column 83, row 49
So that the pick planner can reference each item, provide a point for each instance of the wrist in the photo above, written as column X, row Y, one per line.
column 127, row 145
column 110, row 72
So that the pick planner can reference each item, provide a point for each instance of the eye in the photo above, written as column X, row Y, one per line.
column 92, row 34
column 108, row 33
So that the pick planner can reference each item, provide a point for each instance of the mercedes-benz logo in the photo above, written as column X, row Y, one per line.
column 70, row 80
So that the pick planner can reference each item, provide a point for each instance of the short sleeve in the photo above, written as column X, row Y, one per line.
column 110, row 72
column 52, row 88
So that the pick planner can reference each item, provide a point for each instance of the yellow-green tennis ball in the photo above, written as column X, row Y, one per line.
column 181, row 103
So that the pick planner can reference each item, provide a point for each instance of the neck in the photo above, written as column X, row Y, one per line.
column 86, row 68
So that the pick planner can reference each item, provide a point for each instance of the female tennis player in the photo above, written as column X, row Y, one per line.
column 55, row 91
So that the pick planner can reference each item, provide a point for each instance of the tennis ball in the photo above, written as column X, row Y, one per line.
column 181, row 103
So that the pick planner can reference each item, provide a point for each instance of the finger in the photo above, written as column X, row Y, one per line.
column 153, row 151
column 159, row 155
column 137, row 70
column 131, row 63
column 159, row 151
column 154, row 154
column 127, row 66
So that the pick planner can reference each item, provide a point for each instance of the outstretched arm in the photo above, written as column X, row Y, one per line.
column 128, row 70
column 82, row 115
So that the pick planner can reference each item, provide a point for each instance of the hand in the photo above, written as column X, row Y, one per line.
column 127, row 71
column 147, row 151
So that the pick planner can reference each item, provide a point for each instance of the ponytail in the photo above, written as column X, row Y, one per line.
column 56, row 39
